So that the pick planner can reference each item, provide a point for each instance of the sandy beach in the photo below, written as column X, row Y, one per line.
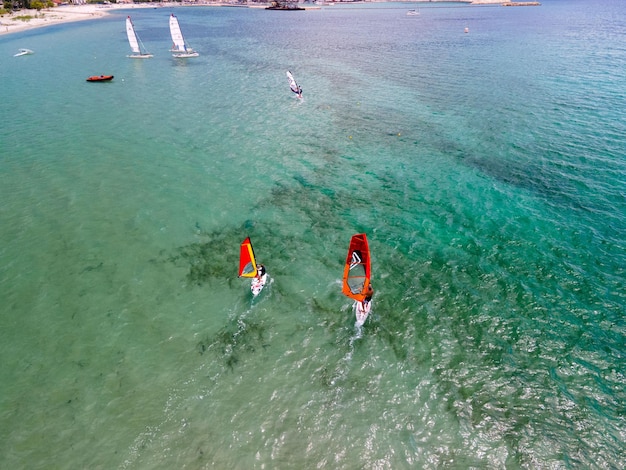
column 11, row 23
column 63, row 14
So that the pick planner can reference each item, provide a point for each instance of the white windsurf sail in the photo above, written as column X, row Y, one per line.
column 292, row 84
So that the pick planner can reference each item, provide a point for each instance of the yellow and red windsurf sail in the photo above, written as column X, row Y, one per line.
column 247, row 262
column 357, row 271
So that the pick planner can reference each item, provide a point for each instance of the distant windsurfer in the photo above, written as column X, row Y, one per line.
column 297, row 89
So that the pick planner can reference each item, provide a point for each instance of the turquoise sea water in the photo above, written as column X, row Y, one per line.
column 487, row 168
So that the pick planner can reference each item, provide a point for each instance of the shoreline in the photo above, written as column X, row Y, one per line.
column 9, row 24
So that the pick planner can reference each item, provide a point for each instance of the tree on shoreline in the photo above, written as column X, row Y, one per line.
column 13, row 5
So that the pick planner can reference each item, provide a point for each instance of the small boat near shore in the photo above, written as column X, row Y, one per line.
column 100, row 78
column 521, row 4
column 284, row 6
column 413, row 13
column 22, row 52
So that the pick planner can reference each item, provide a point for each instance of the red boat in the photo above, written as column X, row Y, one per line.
column 100, row 78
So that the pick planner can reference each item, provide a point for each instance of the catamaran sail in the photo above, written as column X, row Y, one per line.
column 247, row 262
column 357, row 271
column 293, row 85
column 179, row 47
column 135, row 42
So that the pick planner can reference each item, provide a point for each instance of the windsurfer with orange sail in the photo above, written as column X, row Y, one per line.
column 356, row 277
column 248, row 267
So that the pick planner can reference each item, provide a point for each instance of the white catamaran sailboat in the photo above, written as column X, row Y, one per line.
column 135, row 43
column 179, row 48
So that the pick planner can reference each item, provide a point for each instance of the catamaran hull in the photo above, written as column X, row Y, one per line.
column 140, row 56
column 184, row 55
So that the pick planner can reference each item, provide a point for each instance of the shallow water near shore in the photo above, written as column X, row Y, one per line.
column 487, row 169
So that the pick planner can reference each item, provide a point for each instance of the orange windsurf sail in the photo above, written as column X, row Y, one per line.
column 357, row 271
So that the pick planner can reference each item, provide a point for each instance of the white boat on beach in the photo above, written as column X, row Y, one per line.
column 139, row 50
column 180, row 49
column 22, row 52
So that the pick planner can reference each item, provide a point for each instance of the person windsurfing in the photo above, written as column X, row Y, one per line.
column 368, row 296
column 249, row 268
column 258, row 282
column 297, row 89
